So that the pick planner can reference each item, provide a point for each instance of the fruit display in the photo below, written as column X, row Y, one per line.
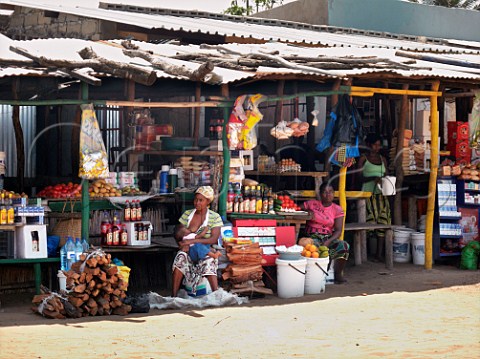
column 61, row 190
column 288, row 165
column 312, row 251
column 283, row 203
column 132, row 191
column 100, row 188
column 14, row 195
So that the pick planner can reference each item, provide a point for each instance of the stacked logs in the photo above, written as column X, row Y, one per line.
column 245, row 270
column 94, row 287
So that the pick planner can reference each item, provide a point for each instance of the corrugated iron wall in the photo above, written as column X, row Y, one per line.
column 7, row 138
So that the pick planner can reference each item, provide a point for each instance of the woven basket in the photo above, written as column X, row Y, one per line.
column 70, row 227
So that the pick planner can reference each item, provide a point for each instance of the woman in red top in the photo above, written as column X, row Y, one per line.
column 325, row 228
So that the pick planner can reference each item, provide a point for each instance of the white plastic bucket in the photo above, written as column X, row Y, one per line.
column 418, row 248
column 387, row 186
column 290, row 278
column 401, row 245
column 315, row 276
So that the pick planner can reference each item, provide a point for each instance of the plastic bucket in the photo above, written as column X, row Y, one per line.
column 401, row 245
column 316, row 274
column 330, row 279
column 290, row 278
column 418, row 248
column 387, row 186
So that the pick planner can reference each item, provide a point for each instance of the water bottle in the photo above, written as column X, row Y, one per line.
column 85, row 245
column 70, row 252
column 78, row 249
column 63, row 257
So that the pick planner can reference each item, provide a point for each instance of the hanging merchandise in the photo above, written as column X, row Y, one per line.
column 299, row 128
column 93, row 156
column 315, row 119
column 241, row 124
column 474, row 123
column 281, row 131
column 248, row 136
column 344, row 132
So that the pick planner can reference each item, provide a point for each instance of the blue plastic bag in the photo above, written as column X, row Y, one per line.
column 52, row 245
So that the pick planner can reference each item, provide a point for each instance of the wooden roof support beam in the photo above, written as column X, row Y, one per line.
column 20, row 146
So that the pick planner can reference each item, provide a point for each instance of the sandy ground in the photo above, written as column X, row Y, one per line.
column 406, row 313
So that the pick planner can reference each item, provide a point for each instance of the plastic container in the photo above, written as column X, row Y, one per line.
column 78, row 249
column 63, row 257
column 290, row 278
column 172, row 180
column 418, row 248
column 164, row 179
column 316, row 275
column 401, row 245
column 330, row 279
column 71, row 258
column 62, row 280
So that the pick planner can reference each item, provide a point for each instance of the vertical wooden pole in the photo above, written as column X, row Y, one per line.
column 20, row 146
column 196, row 125
column 222, row 200
column 85, row 194
column 432, row 183
column 342, row 196
column 397, row 207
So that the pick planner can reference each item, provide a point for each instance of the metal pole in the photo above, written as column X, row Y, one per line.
column 85, row 194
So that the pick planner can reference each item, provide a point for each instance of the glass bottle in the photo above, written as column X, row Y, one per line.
column 104, row 227
column 265, row 201
column 133, row 212
column 10, row 210
column 3, row 210
column 258, row 207
column 139, row 210
column 246, row 200
column 116, row 229
column 124, row 235
column 127, row 212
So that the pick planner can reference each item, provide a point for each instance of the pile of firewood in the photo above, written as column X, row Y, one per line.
column 94, row 287
column 245, row 270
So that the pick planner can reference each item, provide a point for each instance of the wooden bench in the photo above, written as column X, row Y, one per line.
column 36, row 267
column 360, row 241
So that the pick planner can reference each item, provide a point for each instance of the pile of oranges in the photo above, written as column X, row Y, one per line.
column 310, row 251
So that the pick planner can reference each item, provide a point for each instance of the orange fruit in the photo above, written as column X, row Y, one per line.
column 313, row 248
column 308, row 254
column 315, row 255
column 303, row 252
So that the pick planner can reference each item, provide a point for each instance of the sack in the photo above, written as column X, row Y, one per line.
column 139, row 303
column 470, row 254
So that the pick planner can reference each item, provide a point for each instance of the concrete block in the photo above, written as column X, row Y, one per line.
column 89, row 27
column 31, row 19
column 17, row 20
column 74, row 27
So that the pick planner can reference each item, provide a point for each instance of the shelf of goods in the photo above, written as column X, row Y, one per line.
column 134, row 156
column 468, row 202
column 448, row 217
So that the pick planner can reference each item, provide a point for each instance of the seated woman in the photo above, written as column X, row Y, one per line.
column 197, row 226
column 325, row 228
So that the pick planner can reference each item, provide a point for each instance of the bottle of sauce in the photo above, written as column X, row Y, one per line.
column 133, row 212
column 105, row 225
column 124, row 236
column 127, row 212
column 10, row 210
column 258, row 207
column 145, row 232
column 265, row 202
column 246, row 200
column 3, row 210
column 116, row 231
column 253, row 202
column 139, row 211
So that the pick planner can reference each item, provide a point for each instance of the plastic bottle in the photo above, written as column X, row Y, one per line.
column 124, row 235
column 116, row 231
column 139, row 210
column 85, row 245
column 63, row 258
column 127, row 212
column 10, row 210
column 70, row 252
column 78, row 249
column 172, row 180
column 164, row 179
column 105, row 225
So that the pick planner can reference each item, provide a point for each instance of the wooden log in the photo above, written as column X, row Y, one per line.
column 76, row 268
column 82, row 278
column 92, row 262
column 91, row 285
column 93, row 311
column 102, row 276
column 124, row 309
column 37, row 299
column 77, row 302
column 95, row 292
column 80, row 288
column 112, row 270
column 92, row 303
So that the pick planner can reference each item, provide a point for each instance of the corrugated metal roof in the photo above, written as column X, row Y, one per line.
column 214, row 26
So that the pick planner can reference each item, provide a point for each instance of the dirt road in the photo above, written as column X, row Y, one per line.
column 406, row 313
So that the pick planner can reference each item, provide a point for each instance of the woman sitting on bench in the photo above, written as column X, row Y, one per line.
column 325, row 228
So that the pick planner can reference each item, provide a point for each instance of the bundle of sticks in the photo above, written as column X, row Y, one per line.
column 94, row 287
column 245, row 270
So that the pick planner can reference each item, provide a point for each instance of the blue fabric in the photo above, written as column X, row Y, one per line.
column 326, row 140
column 52, row 245
column 198, row 251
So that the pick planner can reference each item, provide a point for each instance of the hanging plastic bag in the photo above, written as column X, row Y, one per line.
column 299, row 128
column 470, row 255
column 474, row 123
column 281, row 131
column 315, row 119
column 248, row 135
column 235, row 123
column 93, row 156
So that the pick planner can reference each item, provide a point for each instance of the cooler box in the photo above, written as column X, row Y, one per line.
column 130, row 226
column 31, row 241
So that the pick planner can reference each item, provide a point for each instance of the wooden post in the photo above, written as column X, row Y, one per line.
column 222, row 200
column 432, row 183
column 196, row 125
column 85, row 194
column 412, row 211
column 342, row 197
column 397, row 206
column 20, row 146
column 362, row 218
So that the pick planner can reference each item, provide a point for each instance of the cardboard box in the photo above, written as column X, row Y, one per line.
column 31, row 241
column 130, row 226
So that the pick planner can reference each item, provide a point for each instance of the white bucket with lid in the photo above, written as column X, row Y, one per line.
column 290, row 278
column 401, row 245
column 316, row 275
column 418, row 248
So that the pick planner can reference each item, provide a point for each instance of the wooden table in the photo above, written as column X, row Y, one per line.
column 296, row 220
column 36, row 267
column 360, row 241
